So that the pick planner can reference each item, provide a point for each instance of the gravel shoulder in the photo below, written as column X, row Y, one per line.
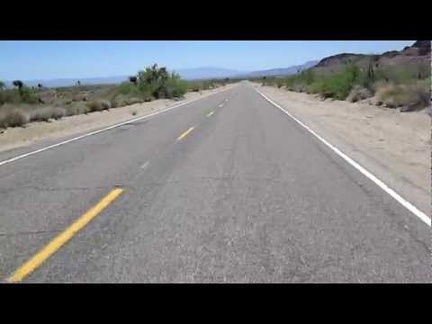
column 395, row 146
column 68, row 126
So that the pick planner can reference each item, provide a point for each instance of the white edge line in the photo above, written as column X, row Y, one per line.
column 357, row 166
column 19, row 157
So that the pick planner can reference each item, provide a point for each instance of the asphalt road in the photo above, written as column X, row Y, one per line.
column 246, row 195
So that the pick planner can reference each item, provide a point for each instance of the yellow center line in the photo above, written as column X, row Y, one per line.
column 210, row 113
column 34, row 262
column 185, row 134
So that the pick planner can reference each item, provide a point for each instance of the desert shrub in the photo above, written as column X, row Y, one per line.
column 13, row 118
column 28, row 96
column 76, row 109
column 114, row 103
column 132, row 101
column 409, row 96
column 58, row 113
column 358, row 93
column 175, row 88
column 80, row 97
column 47, row 113
column 106, row 104
column 126, row 88
column 94, row 106
column 10, row 96
column 98, row 105
column 41, row 114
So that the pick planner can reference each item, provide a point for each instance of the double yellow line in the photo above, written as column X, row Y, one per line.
column 35, row 261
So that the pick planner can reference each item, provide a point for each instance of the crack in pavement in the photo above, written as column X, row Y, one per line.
column 30, row 232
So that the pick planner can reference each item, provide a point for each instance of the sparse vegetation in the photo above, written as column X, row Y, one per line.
column 40, row 103
column 393, row 86
column 394, row 79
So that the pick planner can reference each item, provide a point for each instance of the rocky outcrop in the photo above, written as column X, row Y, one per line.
column 419, row 52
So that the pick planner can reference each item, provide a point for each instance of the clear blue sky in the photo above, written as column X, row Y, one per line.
column 29, row 60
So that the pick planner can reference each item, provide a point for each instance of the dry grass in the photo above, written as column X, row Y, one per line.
column 132, row 101
column 47, row 113
column 77, row 109
column 13, row 118
column 358, row 93
column 121, row 101
column 99, row 105
column 409, row 96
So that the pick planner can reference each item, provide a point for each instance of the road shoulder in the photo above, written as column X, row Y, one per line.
column 394, row 146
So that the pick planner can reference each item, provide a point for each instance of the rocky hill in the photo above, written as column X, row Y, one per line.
column 417, row 54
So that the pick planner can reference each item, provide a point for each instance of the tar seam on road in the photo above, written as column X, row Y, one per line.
column 34, row 262
column 185, row 134
column 413, row 209
column 19, row 157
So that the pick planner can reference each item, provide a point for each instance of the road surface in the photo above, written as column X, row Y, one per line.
column 224, row 189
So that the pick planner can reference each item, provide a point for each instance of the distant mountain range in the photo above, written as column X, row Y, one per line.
column 281, row 71
column 207, row 73
column 187, row 74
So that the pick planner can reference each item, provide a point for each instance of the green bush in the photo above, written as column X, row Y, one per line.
column 28, row 95
column 175, row 88
column 126, row 88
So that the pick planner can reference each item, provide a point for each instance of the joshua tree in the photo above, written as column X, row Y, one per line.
column 371, row 72
column 40, row 86
column 133, row 79
column 79, row 83
column 18, row 83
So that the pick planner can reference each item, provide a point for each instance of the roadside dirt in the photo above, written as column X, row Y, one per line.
column 395, row 146
column 69, row 126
